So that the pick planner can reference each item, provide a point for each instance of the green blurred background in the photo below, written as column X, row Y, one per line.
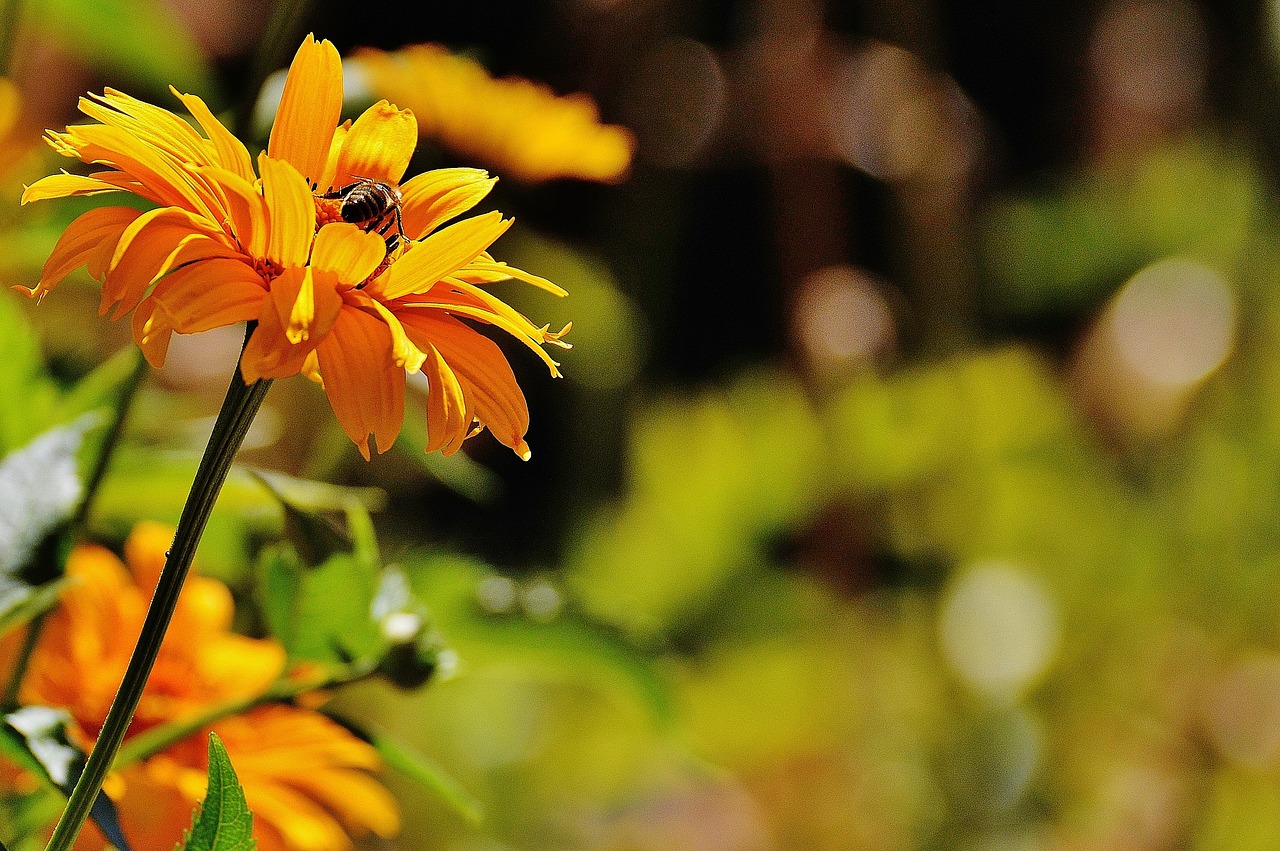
column 915, row 483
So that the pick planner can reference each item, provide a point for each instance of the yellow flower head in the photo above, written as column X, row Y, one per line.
column 350, row 292
column 305, row 777
column 511, row 124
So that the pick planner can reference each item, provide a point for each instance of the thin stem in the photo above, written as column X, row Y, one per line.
column 29, row 639
column 120, row 417
column 153, row 741
column 238, row 409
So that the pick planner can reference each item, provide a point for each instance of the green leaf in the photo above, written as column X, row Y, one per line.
column 40, row 487
column 223, row 821
column 137, row 39
column 22, row 376
column 322, row 614
column 432, row 776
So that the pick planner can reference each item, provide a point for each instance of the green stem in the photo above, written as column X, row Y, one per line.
column 238, row 409
column 119, row 418
column 156, row 739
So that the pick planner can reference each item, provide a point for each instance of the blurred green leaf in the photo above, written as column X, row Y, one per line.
column 432, row 776
column 40, row 488
column 22, row 377
column 134, row 39
column 322, row 613
column 222, row 821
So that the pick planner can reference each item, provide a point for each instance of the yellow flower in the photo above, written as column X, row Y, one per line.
column 305, row 777
column 514, row 125
column 342, row 301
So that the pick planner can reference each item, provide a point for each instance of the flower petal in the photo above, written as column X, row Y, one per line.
column 210, row 294
column 64, row 185
column 482, row 370
column 378, row 146
column 230, row 151
column 85, row 237
column 434, row 197
column 269, row 353
column 307, row 303
column 292, row 212
column 364, row 386
column 438, row 255
column 448, row 419
column 309, row 108
column 246, row 210
column 155, row 242
column 406, row 355
column 348, row 252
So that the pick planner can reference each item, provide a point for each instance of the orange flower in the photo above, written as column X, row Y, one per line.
column 305, row 777
column 341, row 301
column 511, row 124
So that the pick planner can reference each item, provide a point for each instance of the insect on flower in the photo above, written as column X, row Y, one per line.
column 371, row 204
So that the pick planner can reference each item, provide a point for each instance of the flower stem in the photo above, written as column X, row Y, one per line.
column 238, row 409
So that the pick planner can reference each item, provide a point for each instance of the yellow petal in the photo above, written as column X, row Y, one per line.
column 292, row 212
column 246, row 210
column 378, row 146
column 348, row 252
column 482, row 371
column 152, row 244
column 448, row 420
column 440, row 254
column 269, row 353
column 406, row 355
column 82, row 239
column 307, row 302
column 434, row 197
column 210, row 294
column 309, row 108
column 231, row 152
column 364, row 386
column 64, row 185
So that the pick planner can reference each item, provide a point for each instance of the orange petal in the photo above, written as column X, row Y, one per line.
column 441, row 253
column 307, row 302
column 364, row 386
column 64, row 185
column 155, row 242
column 378, row 146
column 448, row 420
column 434, row 197
column 210, row 294
column 292, row 212
column 152, row 331
column 309, row 108
column 406, row 355
column 482, row 370
column 82, row 239
column 269, row 354
column 246, row 210
column 231, row 152
column 348, row 252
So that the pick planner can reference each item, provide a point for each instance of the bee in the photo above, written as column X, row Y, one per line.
column 373, row 206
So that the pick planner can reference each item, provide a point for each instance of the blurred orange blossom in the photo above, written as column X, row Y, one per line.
column 331, row 299
column 305, row 777
column 514, row 125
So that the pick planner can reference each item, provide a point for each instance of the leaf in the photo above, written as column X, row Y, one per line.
column 36, row 738
column 136, row 38
column 322, row 614
column 40, row 487
column 222, row 821
column 20, row 602
column 431, row 775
